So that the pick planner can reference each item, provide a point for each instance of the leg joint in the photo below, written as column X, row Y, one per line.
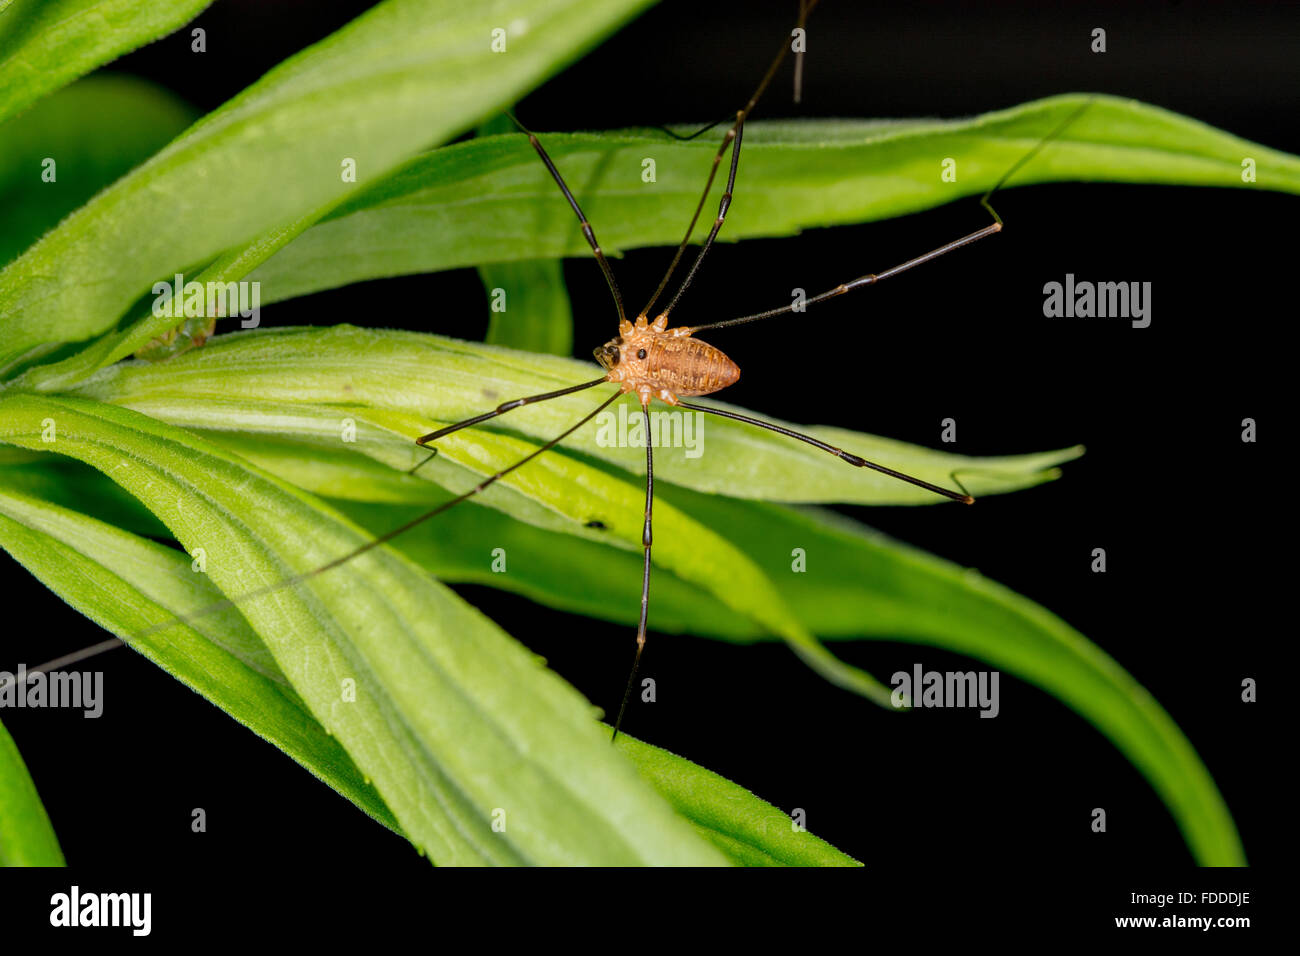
column 851, row 459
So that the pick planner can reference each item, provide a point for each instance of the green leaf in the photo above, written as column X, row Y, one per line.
column 490, row 200
column 128, row 585
column 77, row 487
column 868, row 588
column 747, row 829
column 869, row 585
column 48, row 43
column 26, row 837
column 95, row 131
column 110, row 575
column 536, row 316
column 452, row 720
column 797, row 175
column 435, row 380
column 386, row 85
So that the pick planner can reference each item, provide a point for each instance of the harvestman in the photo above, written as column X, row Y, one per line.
column 657, row 362
column 654, row 361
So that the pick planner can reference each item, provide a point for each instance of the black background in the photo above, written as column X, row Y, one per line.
column 1188, row 514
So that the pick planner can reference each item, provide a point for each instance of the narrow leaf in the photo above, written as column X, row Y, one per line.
column 453, row 722
column 364, row 99
column 26, row 837
column 794, row 175
column 749, row 830
column 438, row 380
column 108, row 574
column 45, row 44
column 127, row 585
column 868, row 586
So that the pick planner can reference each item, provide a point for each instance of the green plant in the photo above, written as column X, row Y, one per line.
column 235, row 449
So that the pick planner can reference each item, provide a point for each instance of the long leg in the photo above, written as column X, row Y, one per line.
column 805, row 8
column 465, row 496
column 798, row 57
column 67, row 659
column 344, row 559
column 860, row 282
column 695, row 218
column 499, row 410
column 646, row 538
column 686, row 138
column 872, row 278
column 724, row 204
column 837, row 452
column 582, row 219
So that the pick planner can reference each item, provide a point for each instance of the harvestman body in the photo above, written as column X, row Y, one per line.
column 653, row 361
